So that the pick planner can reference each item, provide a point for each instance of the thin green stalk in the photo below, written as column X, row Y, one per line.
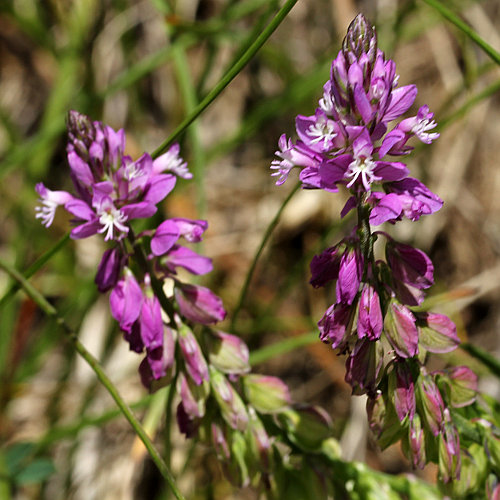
column 230, row 75
column 492, row 363
column 51, row 311
column 188, row 92
column 453, row 18
column 263, row 243
column 282, row 347
column 40, row 262
column 487, row 92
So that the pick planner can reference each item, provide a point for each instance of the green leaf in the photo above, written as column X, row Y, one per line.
column 36, row 472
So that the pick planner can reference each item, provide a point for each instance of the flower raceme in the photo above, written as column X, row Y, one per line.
column 209, row 368
column 355, row 139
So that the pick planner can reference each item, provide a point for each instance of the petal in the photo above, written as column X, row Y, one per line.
column 401, row 100
column 165, row 237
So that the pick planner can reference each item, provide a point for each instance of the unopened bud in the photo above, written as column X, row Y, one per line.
column 266, row 394
column 228, row 353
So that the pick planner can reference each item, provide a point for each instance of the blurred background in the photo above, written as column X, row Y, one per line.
column 143, row 66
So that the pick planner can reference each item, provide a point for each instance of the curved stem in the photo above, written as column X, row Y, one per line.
column 263, row 243
column 453, row 18
column 228, row 77
column 51, row 311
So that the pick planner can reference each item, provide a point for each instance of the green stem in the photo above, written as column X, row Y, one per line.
column 188, row 92
column 492, row 363
column 263, row 243
column 51, row 311
column 41, row 261
column 230, row 75
column 453, row 18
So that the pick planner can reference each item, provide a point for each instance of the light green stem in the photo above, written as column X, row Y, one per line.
column 263, row 243
column 453, row 18
column 229, row 76
column 51, row 311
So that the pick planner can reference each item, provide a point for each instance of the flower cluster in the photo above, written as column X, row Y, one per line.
column 352, row 141
column 221, row 403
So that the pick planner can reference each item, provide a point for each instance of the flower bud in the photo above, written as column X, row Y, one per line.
column 307, row 426
column 431, row 403
column 336, row 324
column 449, row 450
column 360, row 39
column 402, row 390
column 228, row 353
column 150, row 319
column 370, row 319
column 436, row 332
column 415, row 448
column 383, row 421
column 196, row 364
column 325, row 266
column 109, row 269
column 350, row 272
column 199, row 304
column 259, row 442
column 187, row 425
column 462, row 383
column 363, row 366
column 232, row 408
column 219, row 442
column 193, row 396
column 399, row 326
column 266, row 394
column 125, row 301
column 410, row 265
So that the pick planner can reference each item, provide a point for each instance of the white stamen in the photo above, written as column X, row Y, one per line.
column 363, row 167
column 420, row 130
column 111, row 218
column 46, row 212
column 322, row 130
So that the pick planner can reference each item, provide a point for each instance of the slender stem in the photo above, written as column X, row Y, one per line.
column 263, row 243
column 51, row 311
column 188, row 92
column 228, row 77
column 453, row 18
column 41, row 261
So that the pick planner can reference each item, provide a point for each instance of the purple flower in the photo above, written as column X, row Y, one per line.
column 363, row 170
column 179, row 256
column 350, row 272
column 325, row 266
column 370, row 321
column 172, row 162
column 416, row 199
column 193, row 396
column 150, row 319
column 199, row 304
column 363, row 366
column 50, row 200
column 319, row 132
column 109, row 269
column 410, row 265
column 125, row 301
column 196, row 364
column 402, row 389
column 336, row 324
